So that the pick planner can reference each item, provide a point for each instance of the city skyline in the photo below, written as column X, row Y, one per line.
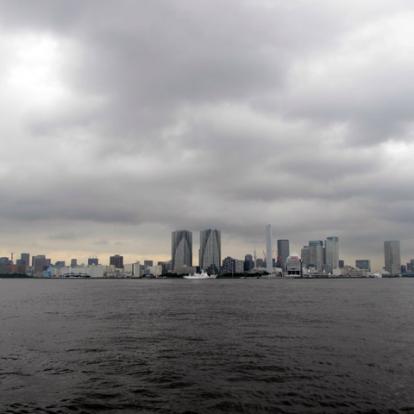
column 322, row 255
column 128, row 121
column 233, row 250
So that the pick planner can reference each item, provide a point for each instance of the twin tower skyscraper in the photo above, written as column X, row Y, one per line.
column 209, row 253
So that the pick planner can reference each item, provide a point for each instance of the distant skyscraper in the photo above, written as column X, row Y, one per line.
column 5, row 261
column 6, row 265
column 392, row 257
column 25, row 258
column 181, row 249
column 248, row 263
column 39, row 264
column 232, row 266
column 73, row 262
column 316, row 254
column 117, row 261
column 210, row 250
column 331, row 254
column 341, row 264
column 283, row 252
column 269, row 259
column 228, row 265
column 305, row 256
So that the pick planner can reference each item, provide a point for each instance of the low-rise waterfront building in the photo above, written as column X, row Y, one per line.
column 133, row 270
column 260, row 263
column 293, row 265
column 363, row 264
column 155, row 270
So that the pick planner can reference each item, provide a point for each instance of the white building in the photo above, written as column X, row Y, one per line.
column 155, row 270
column 133, row 270
column 71, row 271
column 97, row 270
column 293, row 265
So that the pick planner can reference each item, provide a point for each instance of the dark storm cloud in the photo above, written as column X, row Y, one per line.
column 126, row 120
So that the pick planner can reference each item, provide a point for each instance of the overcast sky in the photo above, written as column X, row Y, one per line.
column 124, row 120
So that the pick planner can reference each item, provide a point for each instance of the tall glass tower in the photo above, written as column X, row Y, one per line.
column 316, row 254
column 331, row 254
column 269, row 258
column 392, row 257
column 210, row 250
column 283, row 252
column 181, row 249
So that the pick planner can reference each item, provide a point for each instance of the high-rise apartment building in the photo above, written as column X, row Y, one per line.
column 117, row 261
column 181, row 249
column 210, row 250
column 392, row 257
column 331, row 254
column 283, row 252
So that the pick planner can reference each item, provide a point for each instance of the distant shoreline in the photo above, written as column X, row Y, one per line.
column 21, row 276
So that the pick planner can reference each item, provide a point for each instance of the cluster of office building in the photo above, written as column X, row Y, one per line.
column 323, row 256
column 317, row 258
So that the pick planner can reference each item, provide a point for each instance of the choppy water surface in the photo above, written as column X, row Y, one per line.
column 179, row 346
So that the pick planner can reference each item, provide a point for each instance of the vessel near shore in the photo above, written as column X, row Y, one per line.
column 200, row 276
